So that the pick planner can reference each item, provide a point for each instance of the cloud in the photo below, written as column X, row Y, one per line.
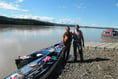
column 79, row 18
column 11, row 6
column 81, row 5
column 24, row 10
column 45, row 18
column 66, row 21
column 28, row 16
column 116, row 4
column 20, row 0
column 63, row 7
column 113, row 26
column 96, row 25
column 8, row 6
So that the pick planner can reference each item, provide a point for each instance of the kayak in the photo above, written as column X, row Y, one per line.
column 39, row 64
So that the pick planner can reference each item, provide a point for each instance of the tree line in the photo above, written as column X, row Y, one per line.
column 17, row 21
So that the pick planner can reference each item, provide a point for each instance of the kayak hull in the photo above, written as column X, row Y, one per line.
column 37, row 68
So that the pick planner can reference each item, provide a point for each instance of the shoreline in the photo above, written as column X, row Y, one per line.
column 27, row 26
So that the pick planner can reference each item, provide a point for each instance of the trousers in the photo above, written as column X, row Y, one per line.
column 66, row 51
column 77, row 47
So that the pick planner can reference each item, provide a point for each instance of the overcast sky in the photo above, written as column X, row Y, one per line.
column 83, row 12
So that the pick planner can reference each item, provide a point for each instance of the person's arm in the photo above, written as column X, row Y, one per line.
column 65, row 37
column 71, row 36
column 63, row 40
column 82, row 39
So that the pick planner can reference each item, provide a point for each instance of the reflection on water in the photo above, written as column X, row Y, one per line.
column 16, row 42
column 109, row 38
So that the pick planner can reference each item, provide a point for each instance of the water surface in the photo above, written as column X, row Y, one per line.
column 16, row 42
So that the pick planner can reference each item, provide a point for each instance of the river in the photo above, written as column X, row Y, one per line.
column 16, row 42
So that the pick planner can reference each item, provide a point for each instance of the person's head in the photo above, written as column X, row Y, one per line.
column 67, row 28
column 77, row 27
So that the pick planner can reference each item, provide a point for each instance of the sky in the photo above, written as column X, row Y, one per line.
column 98, row 13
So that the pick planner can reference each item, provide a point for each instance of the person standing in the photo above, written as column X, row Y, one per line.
column 67, row 38
column 78, row 43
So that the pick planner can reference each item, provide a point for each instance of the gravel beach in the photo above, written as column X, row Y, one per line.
column 98, row 64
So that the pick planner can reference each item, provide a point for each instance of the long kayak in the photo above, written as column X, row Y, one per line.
column 39, row 64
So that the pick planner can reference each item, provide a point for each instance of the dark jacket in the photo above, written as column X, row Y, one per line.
column 69, row 35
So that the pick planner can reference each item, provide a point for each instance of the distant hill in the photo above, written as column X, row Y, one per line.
column 17, row 21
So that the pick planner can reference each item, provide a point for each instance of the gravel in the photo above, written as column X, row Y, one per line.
column 97, row 65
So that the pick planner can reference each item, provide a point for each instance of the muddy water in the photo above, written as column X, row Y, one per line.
column 16, row 42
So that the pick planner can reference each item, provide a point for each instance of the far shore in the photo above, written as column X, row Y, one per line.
column 28, row 26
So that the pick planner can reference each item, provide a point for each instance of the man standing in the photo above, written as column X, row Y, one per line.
column 78, row 42
column 67, row 38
